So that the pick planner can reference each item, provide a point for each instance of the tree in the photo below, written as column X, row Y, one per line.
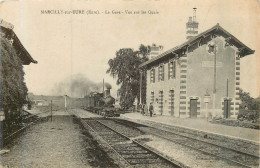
column 125, row 68
column 248, row 101
column 13, row 88
column 253, row 105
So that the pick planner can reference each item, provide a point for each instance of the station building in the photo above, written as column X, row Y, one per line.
column 199, row 78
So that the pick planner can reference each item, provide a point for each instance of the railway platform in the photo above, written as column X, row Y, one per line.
column 57, row 143
column 198, row 124
column 41, row 145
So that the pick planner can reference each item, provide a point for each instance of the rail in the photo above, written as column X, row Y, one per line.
column 146, row 148
column 190, row 146
column 110, row 147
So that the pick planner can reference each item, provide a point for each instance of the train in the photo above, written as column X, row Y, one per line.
column 102, row 104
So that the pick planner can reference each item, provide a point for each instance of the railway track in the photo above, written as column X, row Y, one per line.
column 232, row 156
column 248, row 147
column 130, row 151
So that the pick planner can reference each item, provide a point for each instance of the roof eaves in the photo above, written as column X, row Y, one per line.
column 159, row 56
column 9, row 27
column 217, row 26
column 249, row 51
column 24, row 50
column 179, row 47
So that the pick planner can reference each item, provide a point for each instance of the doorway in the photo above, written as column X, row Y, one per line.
column 227, row 105
column 193, row 108
column 161, row 102
column 171, row 102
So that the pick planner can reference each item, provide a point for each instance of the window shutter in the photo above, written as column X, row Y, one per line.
column 169, row 70
column 151, row 75
column 174, row 69
column 162, row 72
column 159, row 67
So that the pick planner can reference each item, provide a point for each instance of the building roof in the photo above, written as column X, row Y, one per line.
column 7, row 29
column 244, row 50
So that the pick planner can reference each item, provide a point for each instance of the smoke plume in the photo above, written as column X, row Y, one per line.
column 78, row 86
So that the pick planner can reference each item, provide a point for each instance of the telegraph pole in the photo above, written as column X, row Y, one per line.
column 141, row 77
column 103, row 86
column 215, row 77
column 51, row 110
column 227, row 88
column 65, row 102
column 215, row 68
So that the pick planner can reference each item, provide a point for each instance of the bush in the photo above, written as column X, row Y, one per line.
column 249, row 115
column 236, row 123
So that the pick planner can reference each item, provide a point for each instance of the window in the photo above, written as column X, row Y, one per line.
column 152, row 96
column 160, row 106
column 172, row 69
column 152, row 75
column 171, row 102
column 161, row 73
column 211, row 48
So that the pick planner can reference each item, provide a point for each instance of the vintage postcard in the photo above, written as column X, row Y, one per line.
column 128, row 83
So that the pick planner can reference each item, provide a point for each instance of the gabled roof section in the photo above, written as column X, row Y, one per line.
column 7, row 29
column 243, row 49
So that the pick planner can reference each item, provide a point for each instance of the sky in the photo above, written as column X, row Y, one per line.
column 70, row 44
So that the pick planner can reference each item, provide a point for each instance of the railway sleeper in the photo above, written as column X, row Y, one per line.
column 206, row 157
column 243, row 159
column 109, row 134
column 125, row 145
column 128, row 148
column 114, row 140
column 106, row 132
column 122, row 143
column 151, row 166
column 132, row 152
column 134, row 156
column 143, row 157
column 115, row 137
column 101, row 129
column 145, row 161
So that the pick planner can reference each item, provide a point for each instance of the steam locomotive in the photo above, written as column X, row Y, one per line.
column 102, row 103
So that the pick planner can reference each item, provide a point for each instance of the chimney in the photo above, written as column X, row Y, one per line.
column 155, row 51
column 192, row 26
column 107, row 92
